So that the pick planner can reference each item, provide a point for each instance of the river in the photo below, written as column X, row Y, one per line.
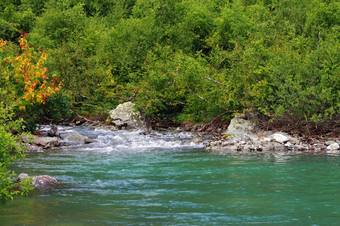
column 165, row 179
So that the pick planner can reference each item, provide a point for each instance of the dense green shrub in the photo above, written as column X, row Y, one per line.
column 56, row 110
column 173, row 86
column 10, row 151
column 277, row 58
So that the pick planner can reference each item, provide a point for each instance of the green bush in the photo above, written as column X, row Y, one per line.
column 173, row 87
column 10, row 151
column 56, row 109
column 189, row 60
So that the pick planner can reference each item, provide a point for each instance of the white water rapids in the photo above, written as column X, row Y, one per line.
column 106, row 141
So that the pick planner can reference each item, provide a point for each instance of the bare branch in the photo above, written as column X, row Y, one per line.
column 92, row 105
column 202, row 98
column 213, row 80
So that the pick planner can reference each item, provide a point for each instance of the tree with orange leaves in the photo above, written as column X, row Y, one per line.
column 24, row 79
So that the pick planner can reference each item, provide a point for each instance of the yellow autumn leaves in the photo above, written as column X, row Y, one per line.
column 24, row 78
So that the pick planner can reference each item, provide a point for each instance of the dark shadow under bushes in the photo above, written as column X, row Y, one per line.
column 325, row 129
column 56, row 110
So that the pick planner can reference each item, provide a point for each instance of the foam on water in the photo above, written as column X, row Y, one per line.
column 135, row 142
column 106, row 141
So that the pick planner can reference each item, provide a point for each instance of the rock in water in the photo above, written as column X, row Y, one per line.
column 75, row 137
column 242, row 135
column 22, row 176
column 125, row 116
column 44, row 181
column 329, row 142
column 53, row 132
column 197, row 140
column 46, row 142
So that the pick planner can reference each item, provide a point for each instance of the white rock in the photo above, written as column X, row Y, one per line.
column 197, row 140
column 334, row 146
column 288, row 144
column 279, row 138
column 22, row 176
column 241, row 128
column 329, row 142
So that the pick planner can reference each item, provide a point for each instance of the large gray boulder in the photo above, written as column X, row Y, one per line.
column 46, row 142
column 125, row 116
column 75, row 137
column 240, row 128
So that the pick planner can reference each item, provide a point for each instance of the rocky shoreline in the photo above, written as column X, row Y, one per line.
column 53, row 139
column 241, row 135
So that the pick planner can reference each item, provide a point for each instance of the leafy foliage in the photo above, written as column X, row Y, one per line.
column 26, row 84
column 10, row 151
column 188, row 61
column 274, row 57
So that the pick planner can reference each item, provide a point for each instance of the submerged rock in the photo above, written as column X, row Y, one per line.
column 125, row 116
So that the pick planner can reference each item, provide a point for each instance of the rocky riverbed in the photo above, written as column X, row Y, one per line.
column 241, row 135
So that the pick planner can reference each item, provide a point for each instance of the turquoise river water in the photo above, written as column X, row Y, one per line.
column 125, row 178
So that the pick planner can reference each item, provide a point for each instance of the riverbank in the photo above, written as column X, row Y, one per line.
column 239, row 135
column 244, row 133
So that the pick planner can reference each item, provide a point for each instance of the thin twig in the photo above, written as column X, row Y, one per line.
column 87, row 120
column 92, row 105
column 202, row 98
column 213, row 80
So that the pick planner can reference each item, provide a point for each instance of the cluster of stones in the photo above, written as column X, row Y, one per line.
column 42, row 181
column 54, row 139
column 242, row 136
